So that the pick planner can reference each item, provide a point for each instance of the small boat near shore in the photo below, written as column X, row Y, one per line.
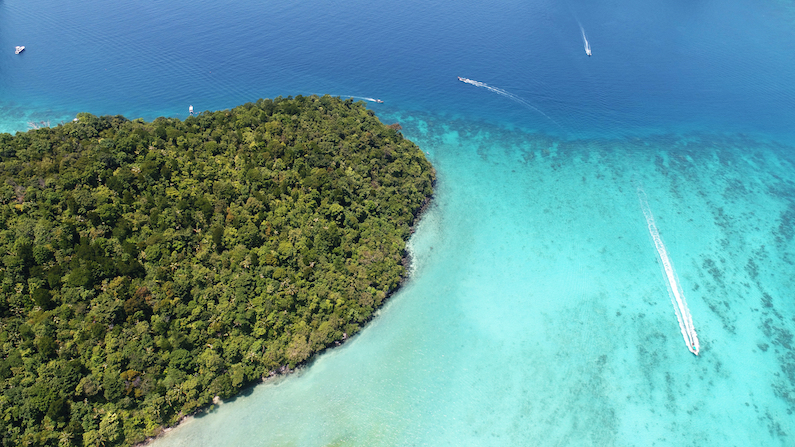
column 19, row 49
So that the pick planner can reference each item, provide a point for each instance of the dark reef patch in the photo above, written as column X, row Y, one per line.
column 767, row 300
column 710, row 266
column 752, row 268
column 786, row 225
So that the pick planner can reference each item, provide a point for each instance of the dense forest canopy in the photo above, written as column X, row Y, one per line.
column 148, row 267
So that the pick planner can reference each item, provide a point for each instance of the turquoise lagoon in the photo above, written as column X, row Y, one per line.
column 536, row 311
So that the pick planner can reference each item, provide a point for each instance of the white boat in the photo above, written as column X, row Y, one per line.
column 19, row 49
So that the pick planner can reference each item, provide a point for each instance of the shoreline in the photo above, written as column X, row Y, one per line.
column 284, row 372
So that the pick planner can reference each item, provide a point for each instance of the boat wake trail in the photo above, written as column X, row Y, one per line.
column 510, row 96
column 674, row 289
column 363, row 98
column 585, row 40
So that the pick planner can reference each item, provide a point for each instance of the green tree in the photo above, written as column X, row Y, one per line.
column 151, row 266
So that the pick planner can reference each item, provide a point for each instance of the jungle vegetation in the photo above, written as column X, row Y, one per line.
column 148, row 267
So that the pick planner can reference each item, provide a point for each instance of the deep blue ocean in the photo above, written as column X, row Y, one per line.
column 539, row 310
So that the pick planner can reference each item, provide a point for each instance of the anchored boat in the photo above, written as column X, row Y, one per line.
column 19, row 49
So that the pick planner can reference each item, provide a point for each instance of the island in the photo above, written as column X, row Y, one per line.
column 150, row 268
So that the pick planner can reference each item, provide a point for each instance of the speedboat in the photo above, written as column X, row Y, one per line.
column 379, row 101
column 19, row 49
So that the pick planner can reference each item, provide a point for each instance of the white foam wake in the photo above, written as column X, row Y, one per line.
column 363, row 98
column 674, row 289
column 585, row 39
column 508, row 95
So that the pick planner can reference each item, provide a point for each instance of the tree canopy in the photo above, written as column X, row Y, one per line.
column 148, row 267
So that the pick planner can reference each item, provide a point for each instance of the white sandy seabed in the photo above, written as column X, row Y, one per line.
column 537, row 313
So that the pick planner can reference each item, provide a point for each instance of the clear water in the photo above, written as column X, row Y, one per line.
column 537, row 312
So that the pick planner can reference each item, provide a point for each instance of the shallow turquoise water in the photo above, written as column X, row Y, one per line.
column 536, row 312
